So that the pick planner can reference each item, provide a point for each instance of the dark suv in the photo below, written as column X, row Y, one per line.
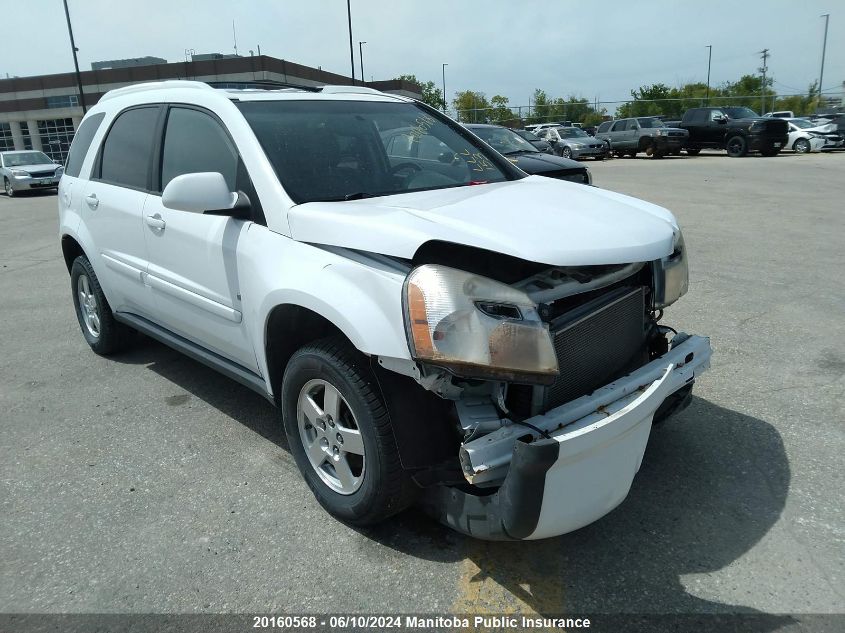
column 738, row 130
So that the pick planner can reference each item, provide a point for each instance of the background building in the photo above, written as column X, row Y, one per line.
column 43, row 112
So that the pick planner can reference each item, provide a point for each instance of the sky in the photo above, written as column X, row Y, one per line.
column 597, row 50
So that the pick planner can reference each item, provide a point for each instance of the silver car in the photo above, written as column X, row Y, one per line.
column 573, row 142
column 22, row 171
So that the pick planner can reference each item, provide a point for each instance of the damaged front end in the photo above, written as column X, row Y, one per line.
column 554, row 380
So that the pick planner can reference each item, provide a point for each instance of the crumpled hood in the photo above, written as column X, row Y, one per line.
column 537, row 219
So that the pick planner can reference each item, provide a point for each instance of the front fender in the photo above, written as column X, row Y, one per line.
column 362, row 301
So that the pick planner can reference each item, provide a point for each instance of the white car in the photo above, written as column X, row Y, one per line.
column 446, row 330
column 781, row 114
column 805, row 136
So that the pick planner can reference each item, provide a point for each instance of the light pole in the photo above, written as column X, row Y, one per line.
column 444, row 87
column 826, row 17
column 75, row 60
column 361, row 56
column 709, row 57
column 351, row 47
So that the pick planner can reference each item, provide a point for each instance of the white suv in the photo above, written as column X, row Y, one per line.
column 434, row 324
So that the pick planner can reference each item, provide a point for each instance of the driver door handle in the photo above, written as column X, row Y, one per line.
column 92, row 200
column 155, row 221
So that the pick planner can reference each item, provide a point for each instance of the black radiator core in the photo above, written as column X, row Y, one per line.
column 596, row 343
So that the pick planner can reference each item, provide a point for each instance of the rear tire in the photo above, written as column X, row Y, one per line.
column 692, row 151
column 736, row 146
column 103, row 334
column 329, row 393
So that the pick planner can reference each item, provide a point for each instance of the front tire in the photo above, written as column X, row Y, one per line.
column 802, row 146
column 566, row 152
column 692, row 151
column 736, row 146
column 7, row 187
column 103, row 334
column 340, row 435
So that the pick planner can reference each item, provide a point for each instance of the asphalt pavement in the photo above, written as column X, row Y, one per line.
column 149, row 483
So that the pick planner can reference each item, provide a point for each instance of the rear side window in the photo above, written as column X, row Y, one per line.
column 128, row 148
column 81, row 144
column 195, row 142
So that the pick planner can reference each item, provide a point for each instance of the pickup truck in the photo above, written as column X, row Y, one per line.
column 643, row 134
column 738, row 130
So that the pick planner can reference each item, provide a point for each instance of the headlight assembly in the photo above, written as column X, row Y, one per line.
column 476, row 327
column 20, row 173
column 671, row 275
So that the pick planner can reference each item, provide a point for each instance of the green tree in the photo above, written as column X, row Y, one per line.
column 431, row 94
column 501, row 113
column 471, row 106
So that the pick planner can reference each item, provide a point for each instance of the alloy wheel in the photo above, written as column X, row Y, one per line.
column 89, row 309
column 331, row 437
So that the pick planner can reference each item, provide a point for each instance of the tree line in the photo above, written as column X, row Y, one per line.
column 652, row 100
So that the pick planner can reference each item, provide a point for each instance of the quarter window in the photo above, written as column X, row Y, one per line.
column 194, row 142
column 126, row 153
column 81, row 144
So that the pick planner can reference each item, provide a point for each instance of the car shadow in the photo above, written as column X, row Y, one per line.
column 215, row 389
column 713, row 483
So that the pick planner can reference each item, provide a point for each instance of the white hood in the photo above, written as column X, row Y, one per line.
column 537, row 219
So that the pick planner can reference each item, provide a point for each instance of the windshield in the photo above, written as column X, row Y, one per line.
column 571, row 132
column 802, row 123
column 19, row 159
column 343, row 150
column 528, row 136
column 651, row 123
column 740, row 113
column 503, row 140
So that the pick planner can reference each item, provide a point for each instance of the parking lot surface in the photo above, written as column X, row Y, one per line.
column 149, row 483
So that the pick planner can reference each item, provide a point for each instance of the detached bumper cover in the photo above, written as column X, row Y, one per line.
column 554, row 486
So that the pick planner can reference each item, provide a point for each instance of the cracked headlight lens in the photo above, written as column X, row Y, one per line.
column 476, row 327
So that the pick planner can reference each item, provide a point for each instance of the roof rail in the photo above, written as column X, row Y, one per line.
column 155, row 85
column 333, row 90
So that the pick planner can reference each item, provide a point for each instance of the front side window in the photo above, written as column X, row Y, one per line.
column 619, row 126
column 195, row 142
column 604, row 127
column 340, row 150
column 651, row 123
column 126, row 153
column 81, row 143
column 741, row 113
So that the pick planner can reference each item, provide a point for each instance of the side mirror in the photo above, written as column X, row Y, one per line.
column 205, row 192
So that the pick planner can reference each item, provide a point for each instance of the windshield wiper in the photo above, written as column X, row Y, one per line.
column 358, row 195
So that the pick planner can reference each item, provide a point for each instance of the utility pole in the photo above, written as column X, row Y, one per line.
column 765, row 55
column 826, row 17
column 444, row 87
column 351, row 47
column 235, row 37
column 75, row 60
column 361, row 56
column 709, row 57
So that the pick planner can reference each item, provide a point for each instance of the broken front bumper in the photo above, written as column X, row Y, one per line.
column 554, row 486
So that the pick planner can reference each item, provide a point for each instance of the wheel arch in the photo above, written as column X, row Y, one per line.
column 71, row 249
column 287, row 328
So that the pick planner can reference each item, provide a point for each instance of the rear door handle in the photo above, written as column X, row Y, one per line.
column 92, row 200
column 155, row 221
